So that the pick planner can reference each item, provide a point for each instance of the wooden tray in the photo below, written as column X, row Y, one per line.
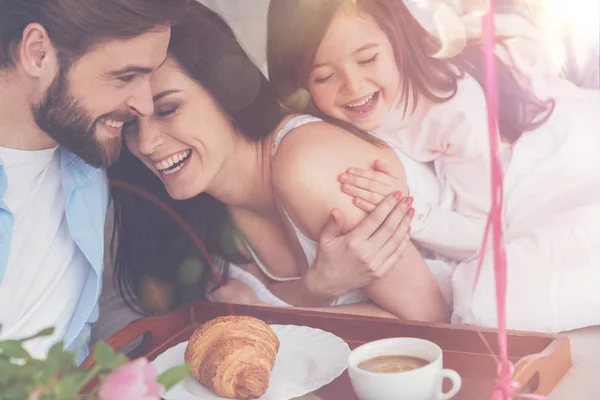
column 541, row 360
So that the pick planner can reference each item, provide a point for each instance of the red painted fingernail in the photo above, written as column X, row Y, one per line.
column 398, row 195
column 411, row 212
column 408, row 201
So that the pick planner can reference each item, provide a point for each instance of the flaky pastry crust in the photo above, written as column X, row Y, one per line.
column 233, row 356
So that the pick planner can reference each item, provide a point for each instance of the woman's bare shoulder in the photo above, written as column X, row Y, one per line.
column 316, row 142
column 307, row 166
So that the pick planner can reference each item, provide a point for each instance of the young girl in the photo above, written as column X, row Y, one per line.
column 369, row 63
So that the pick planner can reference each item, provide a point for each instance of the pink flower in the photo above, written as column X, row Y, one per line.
column 133, row 381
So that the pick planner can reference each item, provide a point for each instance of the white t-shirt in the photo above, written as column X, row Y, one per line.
column 45, row 272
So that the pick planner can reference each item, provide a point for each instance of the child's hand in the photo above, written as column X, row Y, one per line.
column 369, row 186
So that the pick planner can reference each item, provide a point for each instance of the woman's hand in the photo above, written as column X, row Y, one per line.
column 366, row 253
column 369, row 186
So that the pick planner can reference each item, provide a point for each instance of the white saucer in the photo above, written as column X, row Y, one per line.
column 308, row 359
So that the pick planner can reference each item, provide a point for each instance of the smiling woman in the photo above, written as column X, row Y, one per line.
column 174, row 163
column 149, row 242
column 211, row 145
column 168, row 148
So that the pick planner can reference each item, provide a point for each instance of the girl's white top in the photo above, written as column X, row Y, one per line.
column 453, row 137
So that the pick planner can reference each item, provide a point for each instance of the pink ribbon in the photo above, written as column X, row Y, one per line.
column 503, row 388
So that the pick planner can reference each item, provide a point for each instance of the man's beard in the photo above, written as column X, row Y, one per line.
column 61, row 117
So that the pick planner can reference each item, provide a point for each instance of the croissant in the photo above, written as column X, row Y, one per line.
column 233, row 356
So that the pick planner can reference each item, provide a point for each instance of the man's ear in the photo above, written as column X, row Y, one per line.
column 37, row 53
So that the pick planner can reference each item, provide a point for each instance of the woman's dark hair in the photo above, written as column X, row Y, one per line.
column 149, row 242
column 297, row 27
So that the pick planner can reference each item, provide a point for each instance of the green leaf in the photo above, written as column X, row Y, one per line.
column 69, row 385
column 228, row 240
column 86, row 376
column 42, row 333
column 15, row 393
column 191, row 271
column 29, row 372
column 173, row 376
column 105, row 356
column 14, row 349
column 66, row 359
column 56, row 352
column 121, row 360
column 103, row 375
column 55, row 361
column 9, row 371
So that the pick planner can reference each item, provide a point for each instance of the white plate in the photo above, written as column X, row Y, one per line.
column 307, row 359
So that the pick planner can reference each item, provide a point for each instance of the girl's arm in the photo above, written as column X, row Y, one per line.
column 459, row 128
column 445, row 232
column 455, row 135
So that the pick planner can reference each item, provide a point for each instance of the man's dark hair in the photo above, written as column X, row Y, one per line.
column 75, row 26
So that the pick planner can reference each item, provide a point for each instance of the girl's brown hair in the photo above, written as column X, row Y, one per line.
column 297, row 27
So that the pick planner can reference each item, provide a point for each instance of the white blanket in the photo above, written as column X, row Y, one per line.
column 552, row 226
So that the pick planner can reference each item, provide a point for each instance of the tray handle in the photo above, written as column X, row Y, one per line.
column 151, row 330
column 537, row 373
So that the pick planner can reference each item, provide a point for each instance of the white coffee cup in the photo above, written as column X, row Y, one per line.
column 424, row 383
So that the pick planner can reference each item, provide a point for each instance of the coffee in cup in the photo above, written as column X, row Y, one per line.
column 400, row 369
column 392, row 363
